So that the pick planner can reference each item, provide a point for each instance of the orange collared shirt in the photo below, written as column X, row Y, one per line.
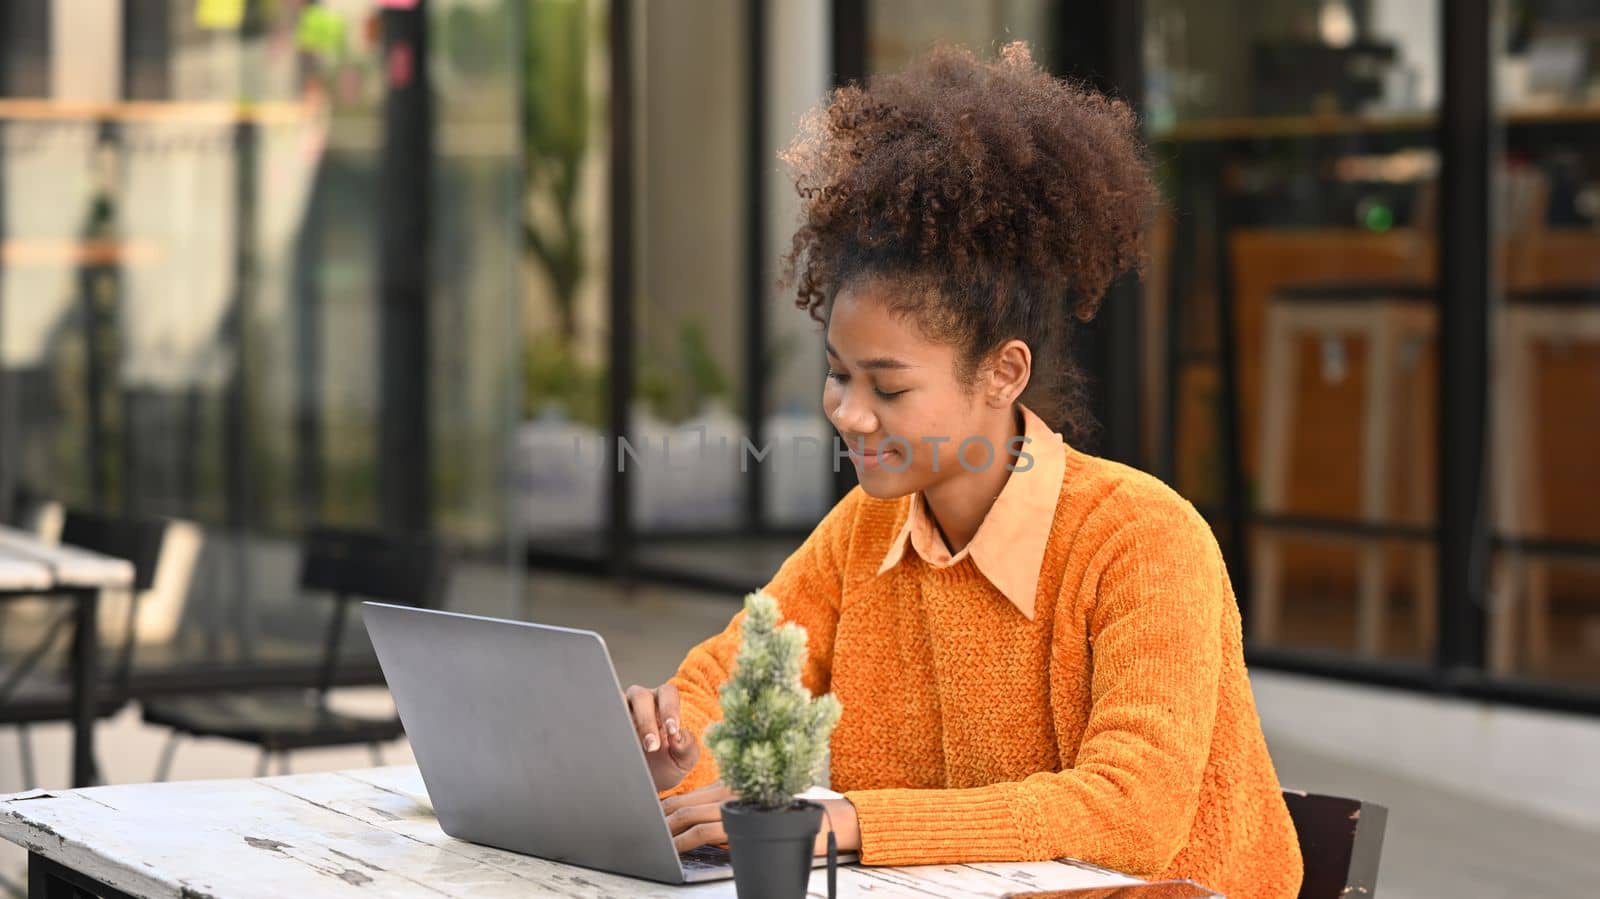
column 1010, row 543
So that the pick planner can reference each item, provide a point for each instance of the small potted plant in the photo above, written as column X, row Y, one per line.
column 769, row 747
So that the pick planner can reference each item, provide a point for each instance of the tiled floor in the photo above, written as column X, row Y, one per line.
column 1438, row 844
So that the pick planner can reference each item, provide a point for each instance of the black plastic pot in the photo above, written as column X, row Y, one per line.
column 771, row 850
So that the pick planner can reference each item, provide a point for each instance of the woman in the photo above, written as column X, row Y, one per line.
column 1038, row 651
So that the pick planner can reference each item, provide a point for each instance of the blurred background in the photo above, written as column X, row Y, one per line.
column 412, row 267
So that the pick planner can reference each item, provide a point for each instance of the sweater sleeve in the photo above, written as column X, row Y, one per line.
column 1130, row 796
column 807, row 586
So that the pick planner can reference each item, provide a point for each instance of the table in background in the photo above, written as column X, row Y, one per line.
column 366, row 833
column 31, row 567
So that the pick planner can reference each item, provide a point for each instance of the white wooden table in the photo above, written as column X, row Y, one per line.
column 31, row 567
column 366, row 833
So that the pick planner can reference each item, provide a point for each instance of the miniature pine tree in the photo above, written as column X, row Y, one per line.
column 771, row 740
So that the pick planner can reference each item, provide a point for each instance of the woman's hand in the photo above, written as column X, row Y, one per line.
column 669, row 748
column 695, row 819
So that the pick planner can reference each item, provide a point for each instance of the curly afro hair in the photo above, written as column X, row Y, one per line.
column 1004, row 200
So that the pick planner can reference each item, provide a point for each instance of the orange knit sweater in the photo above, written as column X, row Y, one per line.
column 1115, row 726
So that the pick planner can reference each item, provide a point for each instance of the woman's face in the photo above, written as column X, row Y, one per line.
column 894, row 393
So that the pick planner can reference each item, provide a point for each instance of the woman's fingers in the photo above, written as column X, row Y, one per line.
column 681, row 745
column 695, row 818
column 690, row 815
column 709, row 833
column 679, row 742
column 710, row 795
column 684, row 749
column 667, row 704
column 642, row 706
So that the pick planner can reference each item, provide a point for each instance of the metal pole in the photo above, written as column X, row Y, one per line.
column 1467, row 279
column 1236, row 500
column 308, row 353
column 848, row 35
column 756, row 288
column 237, row 495
column 85, row 679
column 405, row 469
column 619, row 515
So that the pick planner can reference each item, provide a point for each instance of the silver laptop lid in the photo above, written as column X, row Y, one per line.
column 523, row 738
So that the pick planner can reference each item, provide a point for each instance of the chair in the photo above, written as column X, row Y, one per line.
column 1341, row 844
column 344, row 565
column 1521, row 573
column 1389, row 320
column 1395, row 321
column 28, row 697
column 21, row 620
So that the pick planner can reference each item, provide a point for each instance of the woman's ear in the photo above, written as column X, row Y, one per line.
column 1008, row 372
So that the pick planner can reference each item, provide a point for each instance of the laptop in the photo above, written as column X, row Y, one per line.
column 524, row 741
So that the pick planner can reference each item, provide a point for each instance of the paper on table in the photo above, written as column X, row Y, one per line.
column 997, row 879
column 1155, row 889
column 1018, row 877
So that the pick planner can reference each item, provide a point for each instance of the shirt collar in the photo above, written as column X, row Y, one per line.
column 1010, row 543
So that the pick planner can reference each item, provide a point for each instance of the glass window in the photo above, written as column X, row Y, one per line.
column 193, row 321
column 561, row 481
column 900, row 30
column 798, row 477
column 1292, row 306
column 1544, row 381
column 689, row 327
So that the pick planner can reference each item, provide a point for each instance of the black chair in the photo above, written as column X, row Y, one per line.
column 1341, row 843
column 29, row 696
column 348, row 566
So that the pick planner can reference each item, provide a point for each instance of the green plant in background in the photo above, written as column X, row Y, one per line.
column 320, row 32
column 552, row 373
column 704, row 376
column 673, row 382
column 475, row 39
column 770, row 743
column 676, row 380
column 556, row 123
column 670, row 385
column 676, row 383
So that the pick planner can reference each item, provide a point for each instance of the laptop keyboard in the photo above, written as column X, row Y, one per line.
column 703, row 858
